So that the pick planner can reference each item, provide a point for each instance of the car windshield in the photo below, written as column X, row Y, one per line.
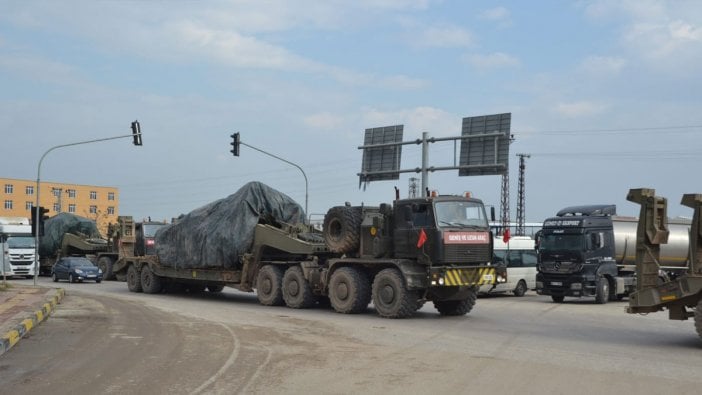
column 461, row 214
column 562, row 242
column 81, row 263
column 20, row 242
column 150, row 229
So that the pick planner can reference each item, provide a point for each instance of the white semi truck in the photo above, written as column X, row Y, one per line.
column 17, row 246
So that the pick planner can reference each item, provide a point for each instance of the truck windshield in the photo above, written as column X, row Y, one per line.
column 562, row 242
column 462, row 214
column 150, row 229
column 20, row 242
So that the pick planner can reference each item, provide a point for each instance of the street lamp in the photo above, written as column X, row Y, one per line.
column 136, row 135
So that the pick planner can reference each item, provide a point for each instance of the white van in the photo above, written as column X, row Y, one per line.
column 520, row 257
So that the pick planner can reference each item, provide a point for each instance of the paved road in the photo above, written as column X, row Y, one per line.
column 120, row 342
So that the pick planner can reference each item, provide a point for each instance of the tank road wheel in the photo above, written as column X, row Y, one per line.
column 698, row 319
column 269, row 285
column 105, row 264
column 342, row 229
column 557, row 298
column 521, row 288
column 349, row 291
column 457, row 307
column 391, row 297
column 215, row 288
column 150, row 282
column 296, row 291
column 602, row 292
column 133, row 279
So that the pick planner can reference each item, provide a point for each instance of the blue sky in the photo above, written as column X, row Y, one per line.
column 604, row 95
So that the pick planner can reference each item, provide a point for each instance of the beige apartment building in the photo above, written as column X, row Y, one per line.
column 100, row 204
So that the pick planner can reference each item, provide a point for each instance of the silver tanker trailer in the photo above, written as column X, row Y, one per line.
column 590, row 251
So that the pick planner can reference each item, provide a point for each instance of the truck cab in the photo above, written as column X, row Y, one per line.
column 17, row 247
column 146, row 237
column 576, row 255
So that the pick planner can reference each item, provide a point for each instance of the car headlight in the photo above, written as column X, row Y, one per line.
column 99, row 271
column 78, row 271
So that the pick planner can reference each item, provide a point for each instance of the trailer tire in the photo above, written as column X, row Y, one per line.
column 602, row 291
column 349, row 291
column 521, row 288
column 557, row 298
column 296, row 290
column 150, row 282
column 391, row 297
column 269, row 286
column 698, row 319
column 105, row 264
column 133, row 279
column 215, row 288
column 342, row 228
column 456, row 307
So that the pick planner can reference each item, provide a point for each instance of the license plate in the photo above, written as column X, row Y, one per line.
column 488, row 278
column 91, row 276
column 557, row 283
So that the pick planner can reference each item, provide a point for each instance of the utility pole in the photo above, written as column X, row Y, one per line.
column 520, row 195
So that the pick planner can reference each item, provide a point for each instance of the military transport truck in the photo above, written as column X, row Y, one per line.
column 588, row 251
column 682, row 296
column 435, row 249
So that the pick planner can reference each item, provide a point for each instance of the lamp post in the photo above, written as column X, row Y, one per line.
column 136, row 135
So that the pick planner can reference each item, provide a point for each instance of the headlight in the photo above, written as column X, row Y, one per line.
column 99, row 271
column 576, row 286
column 441, row 281
column 78, row 271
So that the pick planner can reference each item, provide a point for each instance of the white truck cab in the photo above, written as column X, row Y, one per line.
column 17, row 247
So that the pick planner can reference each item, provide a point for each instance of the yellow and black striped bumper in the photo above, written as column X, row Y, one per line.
column 463, row 276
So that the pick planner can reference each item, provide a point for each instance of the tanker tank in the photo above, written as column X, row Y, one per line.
column 674, row 254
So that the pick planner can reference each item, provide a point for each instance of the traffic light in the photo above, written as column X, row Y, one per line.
column 235, row 144
column 136, row 132
column 42, row 217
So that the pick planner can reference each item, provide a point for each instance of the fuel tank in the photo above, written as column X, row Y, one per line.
column 673, row 254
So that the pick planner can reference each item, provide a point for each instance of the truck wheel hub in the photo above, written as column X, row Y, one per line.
column 293, row 288
column 387, row 294
column 342, row 291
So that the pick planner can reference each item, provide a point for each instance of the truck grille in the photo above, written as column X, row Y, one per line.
column 467, row 253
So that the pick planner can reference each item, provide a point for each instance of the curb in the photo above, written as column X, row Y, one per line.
column 9, row 339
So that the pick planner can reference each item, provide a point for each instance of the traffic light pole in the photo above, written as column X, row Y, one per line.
column 136, row 134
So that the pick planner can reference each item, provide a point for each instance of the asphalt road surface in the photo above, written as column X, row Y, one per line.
column 103, row 339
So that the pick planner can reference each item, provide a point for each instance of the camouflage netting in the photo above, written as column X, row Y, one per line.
column 213, row 236
column 56, row 226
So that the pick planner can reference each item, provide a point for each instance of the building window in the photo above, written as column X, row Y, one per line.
column 8, row 204
column 111, row 210
column 9, row 188
column 71, row 208
column 93, row 195
column 56, row 192
column 29, row 190
column 57, row 208
column 71, row 193
column 110, row 196
column 93, row 209
column 28, row 206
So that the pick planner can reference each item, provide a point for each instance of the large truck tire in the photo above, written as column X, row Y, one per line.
column 215, row 288
column 133, row 279
column 342, row 229
column 391, row 297
column 269, row 285
column 349, row 291
column 557, row 298
column 602, row 291
column 297, row 292
column 105, row 264
column 150, row 282
column 456, row 307
column 698, row 319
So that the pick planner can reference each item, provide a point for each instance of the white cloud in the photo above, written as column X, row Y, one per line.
column 491, row 61
column 603, row 64
column 579, row 109
column 323, row 121
column 444, row 37
column 501, row 15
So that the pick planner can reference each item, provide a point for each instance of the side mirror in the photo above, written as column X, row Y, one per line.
column 596, row 241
